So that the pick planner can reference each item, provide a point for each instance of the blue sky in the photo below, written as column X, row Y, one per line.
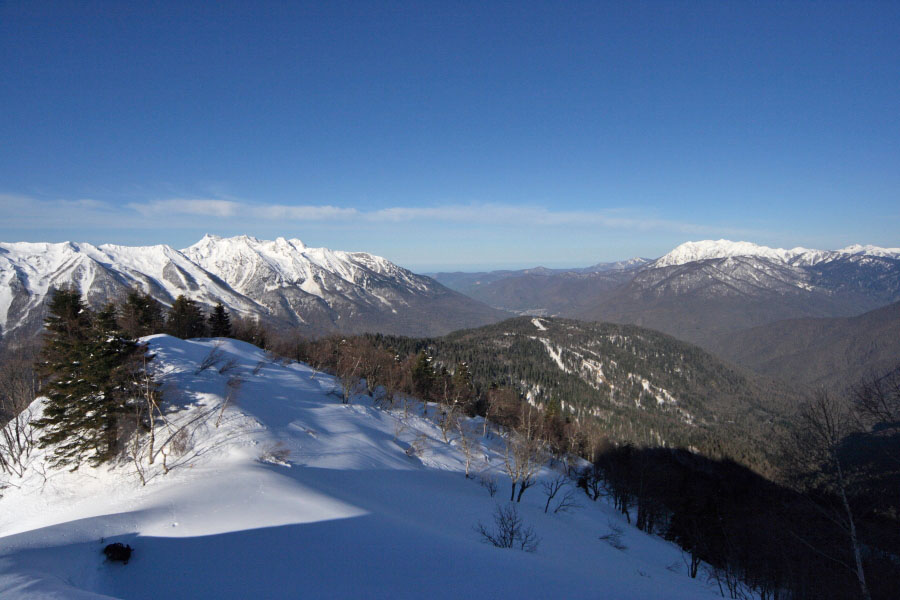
column 449, row 134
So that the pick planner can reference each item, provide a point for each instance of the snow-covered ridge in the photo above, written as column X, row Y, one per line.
column 710, row 249
column 284, row 491
column 282, row 277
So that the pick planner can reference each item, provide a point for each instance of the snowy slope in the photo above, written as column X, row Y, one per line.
column 347, row 513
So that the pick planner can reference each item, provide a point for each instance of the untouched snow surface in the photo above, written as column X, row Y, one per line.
column 295, row 495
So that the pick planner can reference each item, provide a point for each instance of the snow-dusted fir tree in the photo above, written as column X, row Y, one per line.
column 91, row 369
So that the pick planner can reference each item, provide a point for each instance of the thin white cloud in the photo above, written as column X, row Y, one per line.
column 24, row 212
column 189, row 206
column 302, row 213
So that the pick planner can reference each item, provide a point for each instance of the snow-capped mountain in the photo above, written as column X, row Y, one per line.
column 316, row 289
column 857, row 274
column 702, row 290
column 710, row 249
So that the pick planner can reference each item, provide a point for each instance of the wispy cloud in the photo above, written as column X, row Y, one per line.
column 24, row 212
column 188, row 206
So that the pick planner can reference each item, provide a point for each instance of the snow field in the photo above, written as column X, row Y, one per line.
column 297, row 495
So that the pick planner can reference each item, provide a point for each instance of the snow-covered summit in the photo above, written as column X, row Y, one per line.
column 710, row 249
column 320, row 289
column 870, row 250
column 249, row 264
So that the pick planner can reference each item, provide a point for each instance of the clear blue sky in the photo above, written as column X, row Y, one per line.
column 449, row 134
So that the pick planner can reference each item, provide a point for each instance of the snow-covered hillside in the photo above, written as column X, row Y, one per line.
column 295, row 494
column 316, row 289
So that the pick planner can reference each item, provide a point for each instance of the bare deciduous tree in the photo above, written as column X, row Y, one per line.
column 509, row 530
column 524, row 453
column 552, row 488
column 467, row 441
column 18, row 387
column 814, row 450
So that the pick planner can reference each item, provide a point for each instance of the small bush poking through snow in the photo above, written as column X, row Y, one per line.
column 509, row 530
column 489, row 483
column 614, row 537
column 276, row 454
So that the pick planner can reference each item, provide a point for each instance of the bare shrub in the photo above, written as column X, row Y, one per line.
column 489, row 483
column 16, row 444
column 614, row 537
column 180, row 444
column 418, row 446
column 212, row 359
column 276, row 454
column 228, row 366
column 509, row 530
column 232, row 387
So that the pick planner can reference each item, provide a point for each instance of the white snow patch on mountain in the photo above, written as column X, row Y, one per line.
column 539, row 324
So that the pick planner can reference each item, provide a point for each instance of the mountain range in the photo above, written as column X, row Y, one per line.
column 282, row 282
column 731, row 298
column 703, row 291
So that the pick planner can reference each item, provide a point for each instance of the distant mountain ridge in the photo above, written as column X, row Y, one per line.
column 700, row 290
column 709, row 249
column 283, row 281
column 733, row 299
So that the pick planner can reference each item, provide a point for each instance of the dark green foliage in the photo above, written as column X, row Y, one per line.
column 92, row 376
column 423, row 377
column 219, row 322
column 140, row 315
column 186, row 319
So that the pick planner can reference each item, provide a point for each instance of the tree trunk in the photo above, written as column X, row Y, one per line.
column 854, row 542
column 512, row 495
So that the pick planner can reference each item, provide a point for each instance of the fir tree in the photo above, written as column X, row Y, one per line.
column 186, row 320
column 423, row 376
column 140, row 315
column 91, row 371
column 219, row 322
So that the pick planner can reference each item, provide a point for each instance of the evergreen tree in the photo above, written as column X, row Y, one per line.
column 91, row 371
column 219, row 322
column 186, row 320
column 140, row 315
column 423, row 376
